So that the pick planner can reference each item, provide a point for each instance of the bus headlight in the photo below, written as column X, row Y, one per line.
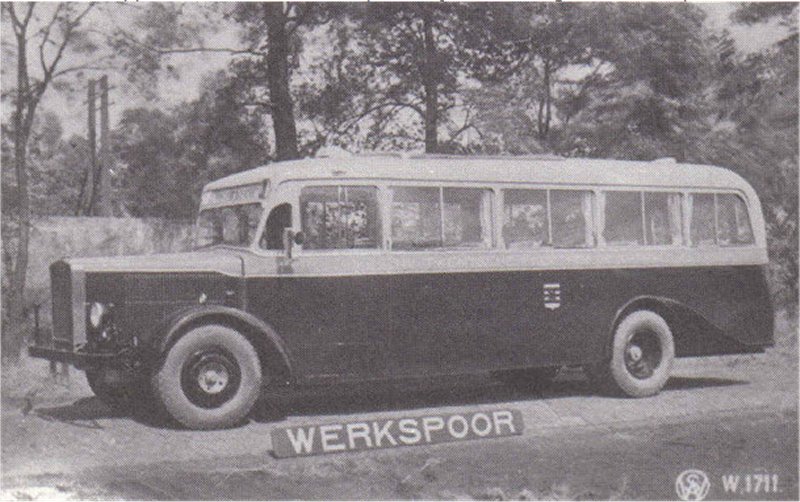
column 96, row 313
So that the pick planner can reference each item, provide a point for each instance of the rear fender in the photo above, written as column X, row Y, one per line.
column 694, row 334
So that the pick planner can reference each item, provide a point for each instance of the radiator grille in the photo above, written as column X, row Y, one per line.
column 61, row 288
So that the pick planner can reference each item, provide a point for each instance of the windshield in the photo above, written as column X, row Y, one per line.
column 231, row 225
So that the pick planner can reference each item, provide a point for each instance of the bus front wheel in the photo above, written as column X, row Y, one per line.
column 209, row 379
column 642, row 354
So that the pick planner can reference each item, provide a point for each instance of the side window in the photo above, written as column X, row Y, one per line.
column 432, row 217
column 416, row 218
column 623, row 219
column 525, row 218
column 467, row 217
column 662, row 219
column 702, row 228
column 571, row 214
column 733, row 223
column 340, row 217
column 279, row 218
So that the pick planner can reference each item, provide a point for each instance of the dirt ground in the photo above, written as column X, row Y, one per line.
column 723, row 415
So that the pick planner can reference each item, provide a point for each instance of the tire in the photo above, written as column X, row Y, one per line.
column 122, row 395
column 528, row 379
column 642, row 354
column 209, row 379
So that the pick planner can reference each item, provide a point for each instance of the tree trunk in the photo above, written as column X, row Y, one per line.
column 547, row 98
column 544, row 116
column 13, row 332
column 540, row 118
column 430, row 82
column 278, row 82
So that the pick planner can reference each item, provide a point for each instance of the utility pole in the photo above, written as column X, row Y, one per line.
column 95, row 197
column 103, row 184
column 87, row 199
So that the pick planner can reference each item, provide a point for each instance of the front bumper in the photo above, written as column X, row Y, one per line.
column 76, row 358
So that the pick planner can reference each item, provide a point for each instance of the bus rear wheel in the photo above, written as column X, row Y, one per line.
column 209, row 379
column 642, row 354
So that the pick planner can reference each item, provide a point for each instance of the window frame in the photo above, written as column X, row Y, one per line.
column 716, row 193
column 441, row 187
column 289, row 192
column 591, row 225
column 642, row 220
column 681, row 205
column 297, row 214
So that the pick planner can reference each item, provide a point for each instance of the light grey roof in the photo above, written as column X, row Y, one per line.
column 664, row 172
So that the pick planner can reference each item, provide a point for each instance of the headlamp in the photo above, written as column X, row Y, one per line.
column 96, row 313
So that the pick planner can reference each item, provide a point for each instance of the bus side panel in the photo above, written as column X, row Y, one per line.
column 464, row 322
column 332, row 326
column 377, row 326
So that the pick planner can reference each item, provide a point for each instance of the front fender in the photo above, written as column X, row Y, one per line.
column 265, row 336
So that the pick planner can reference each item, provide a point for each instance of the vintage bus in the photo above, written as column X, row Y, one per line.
column 386, row 267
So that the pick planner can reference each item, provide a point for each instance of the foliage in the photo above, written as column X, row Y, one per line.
column 166, row 157
column 394, row 73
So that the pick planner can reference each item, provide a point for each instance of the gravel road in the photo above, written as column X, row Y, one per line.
column 725, row 416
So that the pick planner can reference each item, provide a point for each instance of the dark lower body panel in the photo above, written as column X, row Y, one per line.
column 380, row 326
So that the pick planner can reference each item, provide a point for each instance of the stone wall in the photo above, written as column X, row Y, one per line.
column 53, row 238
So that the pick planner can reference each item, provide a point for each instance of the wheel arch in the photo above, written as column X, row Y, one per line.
column 681, row 319
column 275, row 358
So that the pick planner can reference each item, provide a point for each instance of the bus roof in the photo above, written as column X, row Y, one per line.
column 486, row 169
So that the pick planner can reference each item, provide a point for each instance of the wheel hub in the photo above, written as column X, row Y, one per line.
column 213, row 378
column 635, row 353
column 210, row 377
column 643, row 354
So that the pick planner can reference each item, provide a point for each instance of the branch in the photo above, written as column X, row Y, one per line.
column 393, row 105
column 45, row 31
column 68, row 31
column 28, row 15
column 252, row 51
column 19, row 26
column 73, row 69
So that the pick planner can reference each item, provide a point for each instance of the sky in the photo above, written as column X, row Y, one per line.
column 192, row 68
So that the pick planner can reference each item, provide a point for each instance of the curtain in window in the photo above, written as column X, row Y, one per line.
column 675, row 215
column 586, row 207
column 486, row 218
column 687, row 220
column 601, row 218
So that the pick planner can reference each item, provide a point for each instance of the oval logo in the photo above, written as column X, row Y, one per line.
column 692, row 484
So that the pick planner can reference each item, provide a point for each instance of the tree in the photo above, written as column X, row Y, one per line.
column 269, row 45
column 652, row 91
column 397, row 67
column 58, row 32
column 532, row 44
column 166, row 156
